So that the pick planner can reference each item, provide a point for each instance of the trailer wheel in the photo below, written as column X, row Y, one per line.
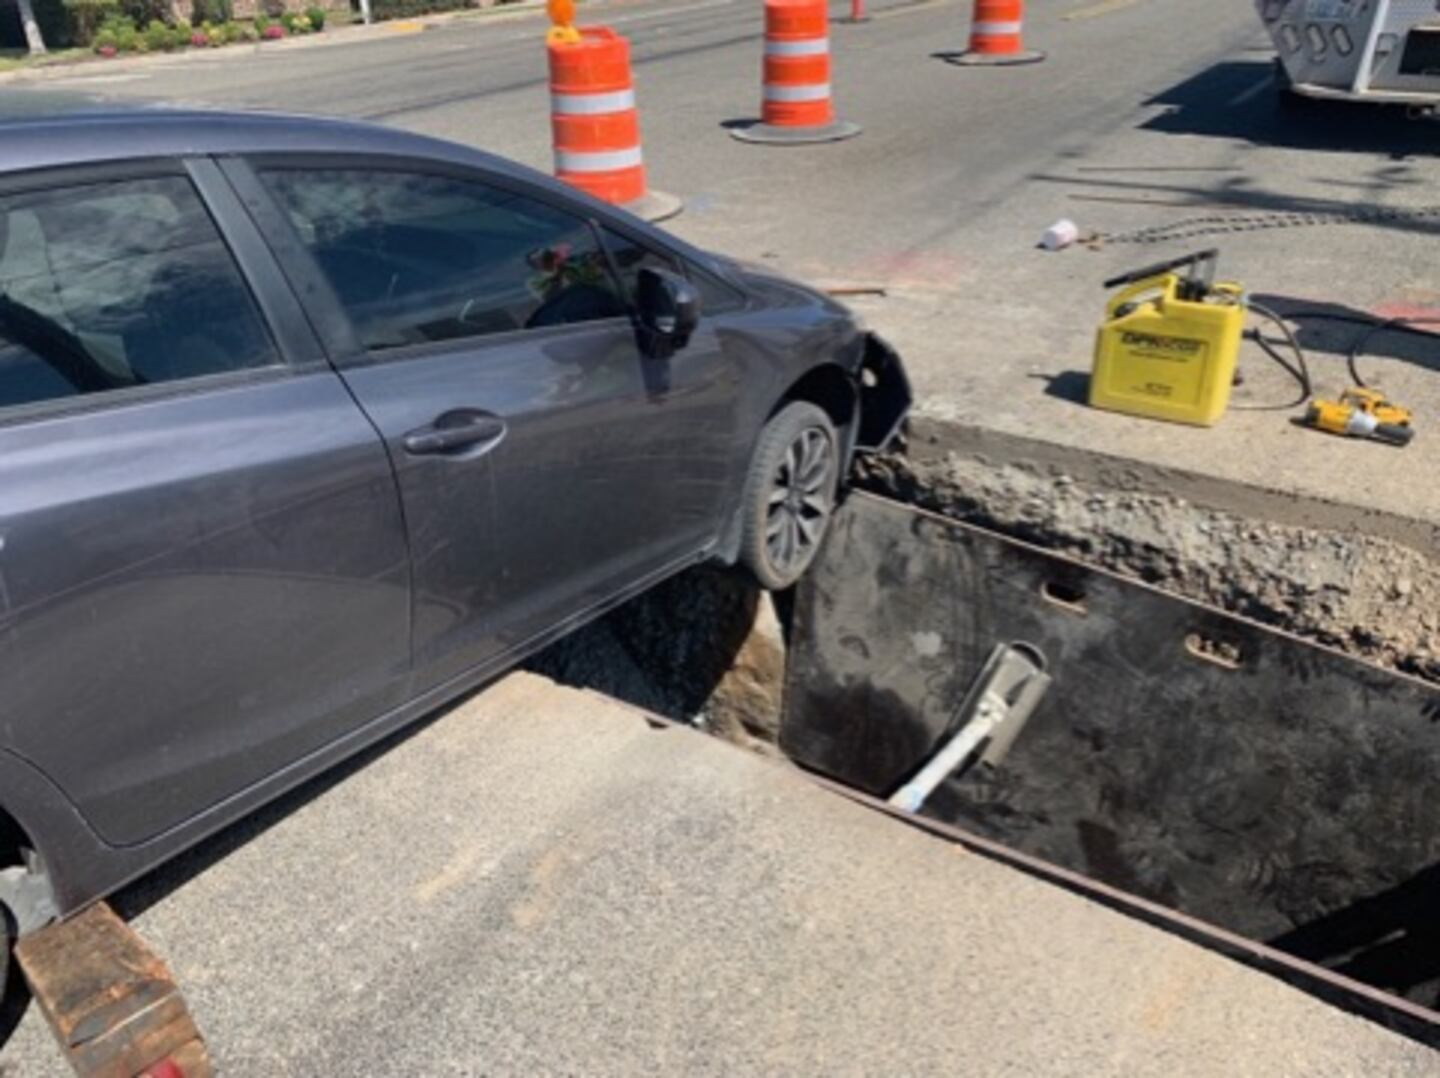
column 789, row 494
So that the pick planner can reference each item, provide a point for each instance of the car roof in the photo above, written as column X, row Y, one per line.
column 47, row 132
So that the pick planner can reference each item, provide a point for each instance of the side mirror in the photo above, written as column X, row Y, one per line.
column 668, row 308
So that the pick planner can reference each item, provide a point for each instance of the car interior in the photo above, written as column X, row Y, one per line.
column 451, row 261
column 86, row 304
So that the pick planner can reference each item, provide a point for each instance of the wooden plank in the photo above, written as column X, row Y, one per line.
column 110, row 1000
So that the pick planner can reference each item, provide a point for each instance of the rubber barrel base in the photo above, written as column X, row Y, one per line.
column 983, row 59
column 655, row 206
column 769, row 134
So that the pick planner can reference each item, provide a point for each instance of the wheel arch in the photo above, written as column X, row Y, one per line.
column 41, row 831
column 829, row 386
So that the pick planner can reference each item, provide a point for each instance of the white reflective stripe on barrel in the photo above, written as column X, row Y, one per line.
column 815, row 47
column 997, row 27
column 597, row 161
column 816, row 92
column 592, row 104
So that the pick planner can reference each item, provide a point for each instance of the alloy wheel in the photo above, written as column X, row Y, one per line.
column 801, row 500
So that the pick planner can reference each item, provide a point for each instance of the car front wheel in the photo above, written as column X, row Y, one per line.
column 789, row 494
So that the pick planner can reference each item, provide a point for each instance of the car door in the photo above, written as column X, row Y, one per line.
column 544, row 462
column 203, row 570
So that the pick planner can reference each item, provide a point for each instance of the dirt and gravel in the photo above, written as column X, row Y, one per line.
column 706, row 647
column 1373, row 598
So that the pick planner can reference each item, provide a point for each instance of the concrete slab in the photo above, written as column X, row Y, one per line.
column 541, row 881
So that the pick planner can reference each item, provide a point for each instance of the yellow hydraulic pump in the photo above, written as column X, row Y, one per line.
column 1170, row 342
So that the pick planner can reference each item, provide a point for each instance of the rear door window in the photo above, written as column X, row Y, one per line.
column 116, row 285
column 417, row 257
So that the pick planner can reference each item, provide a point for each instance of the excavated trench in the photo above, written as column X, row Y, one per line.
column 1270, row 780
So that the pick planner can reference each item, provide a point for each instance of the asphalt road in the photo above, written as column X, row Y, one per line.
column 543, row 882
column 1147, row 113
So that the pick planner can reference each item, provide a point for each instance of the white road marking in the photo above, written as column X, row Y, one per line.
column 1104, row 7
column 908, row 9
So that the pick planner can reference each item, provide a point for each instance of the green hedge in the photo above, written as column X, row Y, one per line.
column 76, row 22
column 144, row 12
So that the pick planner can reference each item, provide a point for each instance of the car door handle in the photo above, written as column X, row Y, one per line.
column 460, row 429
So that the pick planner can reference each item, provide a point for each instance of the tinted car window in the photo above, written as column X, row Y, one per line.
column 114, row 285
column 416, row 257
column 630, row 258
column 716, row 297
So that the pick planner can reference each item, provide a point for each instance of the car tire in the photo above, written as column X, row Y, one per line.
column 790, row 493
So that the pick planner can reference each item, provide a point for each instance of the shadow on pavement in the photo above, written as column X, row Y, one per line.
column 1334, row 328
column 1247, row 100
column 1072, row 386
column 1206, row 212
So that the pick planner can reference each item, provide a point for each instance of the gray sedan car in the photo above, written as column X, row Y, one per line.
column 307, row 427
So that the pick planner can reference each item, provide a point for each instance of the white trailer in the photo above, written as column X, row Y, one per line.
column 1382, row 51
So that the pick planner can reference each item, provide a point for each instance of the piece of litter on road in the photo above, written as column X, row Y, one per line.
column 1060, row 235
column 855, row 290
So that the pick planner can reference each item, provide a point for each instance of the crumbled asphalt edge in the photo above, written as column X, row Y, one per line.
column 1370, row 597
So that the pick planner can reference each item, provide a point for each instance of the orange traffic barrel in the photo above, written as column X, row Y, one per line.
column 593, row 118
column 796, row 104
column 595, row 125
column 997, row 36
